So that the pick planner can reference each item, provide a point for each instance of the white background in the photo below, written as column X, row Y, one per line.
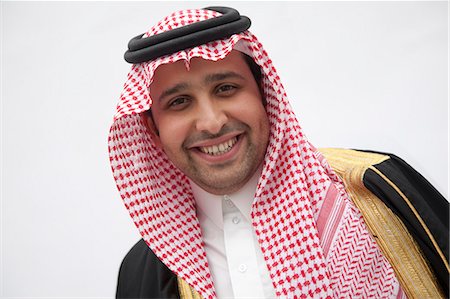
column 367, row 75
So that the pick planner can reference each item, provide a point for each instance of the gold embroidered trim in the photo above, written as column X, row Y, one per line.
column 185, row 290
column 436, row 246
column 401, row 250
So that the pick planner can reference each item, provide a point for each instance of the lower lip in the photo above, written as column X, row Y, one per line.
column 226, row 157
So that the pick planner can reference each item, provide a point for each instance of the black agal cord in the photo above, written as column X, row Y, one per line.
column 189, row 36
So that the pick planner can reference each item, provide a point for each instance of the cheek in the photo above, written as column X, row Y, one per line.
column 172, row 133
column 264, row 127
column 254, row 112
column 259, row 121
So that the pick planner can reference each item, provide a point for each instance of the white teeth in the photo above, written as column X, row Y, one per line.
column 219, row 149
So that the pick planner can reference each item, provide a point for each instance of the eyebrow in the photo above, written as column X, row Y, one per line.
column 221, row 76
column 211, row 78
column 173, row 90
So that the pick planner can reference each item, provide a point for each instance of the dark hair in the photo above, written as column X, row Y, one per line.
column 257, row 74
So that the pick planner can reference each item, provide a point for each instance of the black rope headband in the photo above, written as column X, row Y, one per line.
column 189, row 36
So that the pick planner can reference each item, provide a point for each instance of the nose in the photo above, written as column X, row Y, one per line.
column 211, row 117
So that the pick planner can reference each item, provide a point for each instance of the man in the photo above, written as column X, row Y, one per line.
column 233, row 201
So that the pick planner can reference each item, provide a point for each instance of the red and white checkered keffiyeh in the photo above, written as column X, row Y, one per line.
column 338, row 260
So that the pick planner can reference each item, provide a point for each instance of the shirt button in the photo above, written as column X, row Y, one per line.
column 226, row 197
column 242, row 268
column 235, row 220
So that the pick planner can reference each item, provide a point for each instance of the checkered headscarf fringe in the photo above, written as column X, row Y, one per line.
column 290, row 193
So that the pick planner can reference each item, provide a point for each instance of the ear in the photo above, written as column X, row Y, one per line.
column 150, row 124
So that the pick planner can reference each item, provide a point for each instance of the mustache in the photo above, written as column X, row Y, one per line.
column 204, row 135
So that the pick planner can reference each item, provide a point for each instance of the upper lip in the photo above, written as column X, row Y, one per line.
column 215, row 141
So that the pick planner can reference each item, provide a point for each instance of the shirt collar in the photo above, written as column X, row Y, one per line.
column 211, row 204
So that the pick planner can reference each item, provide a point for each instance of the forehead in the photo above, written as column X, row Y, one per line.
column 197, row 68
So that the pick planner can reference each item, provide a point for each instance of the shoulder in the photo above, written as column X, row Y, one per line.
column 143, row 275
column 139, row 253
column 420, row 207
column 388, row 176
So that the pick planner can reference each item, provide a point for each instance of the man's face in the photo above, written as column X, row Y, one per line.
column 210, row 120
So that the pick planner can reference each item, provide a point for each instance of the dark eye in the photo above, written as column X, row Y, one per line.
column 178, row 103
column 226, row 89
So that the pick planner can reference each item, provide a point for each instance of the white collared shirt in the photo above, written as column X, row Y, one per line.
column 235, row 259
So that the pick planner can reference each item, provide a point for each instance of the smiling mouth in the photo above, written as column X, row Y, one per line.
column 219, row 149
